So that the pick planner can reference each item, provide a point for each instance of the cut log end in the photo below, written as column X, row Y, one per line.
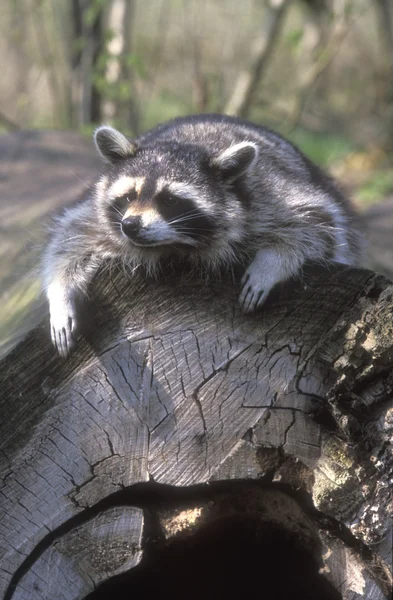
column 174, row 385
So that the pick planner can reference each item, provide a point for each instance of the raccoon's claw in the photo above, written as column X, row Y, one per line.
column 63, row 338
column 251, row 296
column 266, row 270
column 63, row 330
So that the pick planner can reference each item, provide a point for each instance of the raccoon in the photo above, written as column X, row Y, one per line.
column 210, row 190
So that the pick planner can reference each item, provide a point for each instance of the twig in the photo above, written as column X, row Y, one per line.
column 8, row 124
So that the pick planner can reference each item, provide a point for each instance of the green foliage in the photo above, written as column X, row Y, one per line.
column 87, row 130
column 93, row 10
column 119, row 91
column 163, row 107
column 323, row 148
column 78, row 45
column 294, row 37
column 377, row 186
column 134, row 61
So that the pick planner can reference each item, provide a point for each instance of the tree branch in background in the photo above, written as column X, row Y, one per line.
column 75, row 61
column 320, row 58
column 7, row 123
column 97, row 48
column 200, row 90
column 133, row 119
column 385, row 13
column 150, row 83
column 247, row 83
column 47, row 53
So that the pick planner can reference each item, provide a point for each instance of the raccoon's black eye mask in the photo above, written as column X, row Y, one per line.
column 168, row 199
column 184, row 214
column 130, row 196
column 119, row 205
column 125, row 199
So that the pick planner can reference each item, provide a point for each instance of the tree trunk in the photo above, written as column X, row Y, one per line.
column 286, row 414
column 385, row 17
column 323, row 43
column 87, row 25
column 118, row 106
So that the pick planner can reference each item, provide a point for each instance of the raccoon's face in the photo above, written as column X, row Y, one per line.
column 173, row 195
column 154, row 211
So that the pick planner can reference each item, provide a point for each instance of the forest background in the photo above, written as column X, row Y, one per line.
column 319, row 71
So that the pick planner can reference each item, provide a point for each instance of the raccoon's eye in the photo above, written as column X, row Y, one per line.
column 131, row 196
column 128, row 197
column 170, row 200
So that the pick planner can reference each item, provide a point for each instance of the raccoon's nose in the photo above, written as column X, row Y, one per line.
column 131, row 226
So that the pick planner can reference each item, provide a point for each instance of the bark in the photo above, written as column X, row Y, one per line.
column 172, row 388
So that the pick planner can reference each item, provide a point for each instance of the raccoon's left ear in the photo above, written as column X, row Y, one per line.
column 113, row 145
column 235, row 160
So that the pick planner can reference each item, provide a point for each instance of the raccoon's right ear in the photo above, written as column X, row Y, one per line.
column 113, row 145
column 235, row 160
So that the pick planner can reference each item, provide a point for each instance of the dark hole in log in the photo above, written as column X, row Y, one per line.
column 225, row 559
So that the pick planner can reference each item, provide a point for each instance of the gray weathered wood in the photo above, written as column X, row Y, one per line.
column 173, row 382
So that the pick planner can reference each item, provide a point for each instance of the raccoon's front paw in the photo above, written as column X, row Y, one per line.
column 63, row 324
column 261, row 276
column 255, row 290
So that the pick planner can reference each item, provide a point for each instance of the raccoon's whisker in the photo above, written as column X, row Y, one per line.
column 115, row 209
column 86, row 183
column 190, row 228
column 190, row 212
column 194, row 237
column 185, row 216
column 74, row 237
column 184, row 219
column 187, row 230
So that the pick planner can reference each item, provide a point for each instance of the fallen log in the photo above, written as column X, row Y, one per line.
column 177, row 413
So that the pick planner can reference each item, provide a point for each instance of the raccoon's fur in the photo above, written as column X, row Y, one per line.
column 208, row 189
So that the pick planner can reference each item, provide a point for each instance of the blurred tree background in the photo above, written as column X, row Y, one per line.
column 319, row 71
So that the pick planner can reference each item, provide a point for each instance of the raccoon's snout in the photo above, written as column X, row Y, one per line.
column 131, row 226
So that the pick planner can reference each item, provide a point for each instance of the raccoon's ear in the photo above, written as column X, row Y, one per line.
column 113, row 145
column 235, row 160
